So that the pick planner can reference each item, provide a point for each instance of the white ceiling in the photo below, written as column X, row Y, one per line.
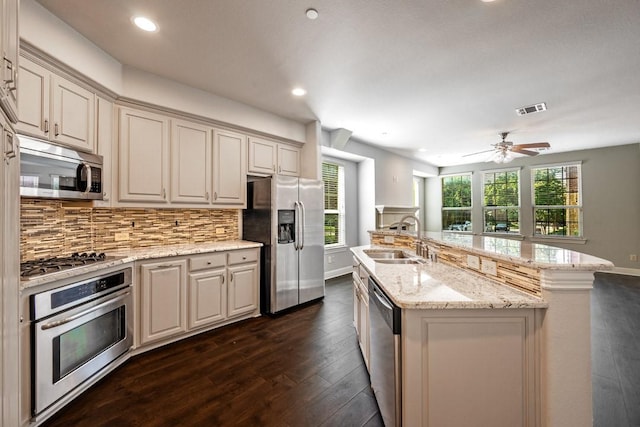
column 442, row 75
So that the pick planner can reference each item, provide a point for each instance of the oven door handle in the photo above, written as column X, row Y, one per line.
column 83, row 313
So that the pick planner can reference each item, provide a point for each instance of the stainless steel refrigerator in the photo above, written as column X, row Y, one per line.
column 286, row 215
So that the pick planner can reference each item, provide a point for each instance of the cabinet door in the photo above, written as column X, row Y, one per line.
column 33, row 103
column 243, row 289
column 288, row 160
column 262, row 156
column 9, row 96
column 363, row 337
column 229, row 169
column 72, row 108
column 143, row 156
column 190, row 162
column 207, row 298
column 163, row 300
column 104, row 146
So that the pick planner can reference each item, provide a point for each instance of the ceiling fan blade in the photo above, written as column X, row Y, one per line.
column 479, row 152
column 526, row 152
column 532, row 145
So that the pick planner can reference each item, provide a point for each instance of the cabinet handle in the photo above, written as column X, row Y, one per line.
column 165, row 266
column 215, row 195
column 222, row 279
column 231, row 278
column 56, row 131
column 46, row 126
column 279, row 169
column 10, row 153
column 206, row 195
column 164, row 193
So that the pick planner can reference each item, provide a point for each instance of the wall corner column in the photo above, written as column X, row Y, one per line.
column 565, row 368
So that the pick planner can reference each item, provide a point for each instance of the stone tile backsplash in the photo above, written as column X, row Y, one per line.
column 52, row 227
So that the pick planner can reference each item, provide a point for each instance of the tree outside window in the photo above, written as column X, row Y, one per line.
column 501, row 201
column 334, row 215
column 456, row 202
column 557, row 200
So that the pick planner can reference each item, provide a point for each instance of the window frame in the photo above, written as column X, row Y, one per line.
column 486, row 208
column 444, row 209
column 579, row 206
column 341, row 207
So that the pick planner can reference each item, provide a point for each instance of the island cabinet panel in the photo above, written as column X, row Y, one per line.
column 462, row 365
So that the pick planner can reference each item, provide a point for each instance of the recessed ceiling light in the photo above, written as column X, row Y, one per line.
column 488, row 1
column 312, row 14
column 145, row 24
column 422, row 150
column 299, row 91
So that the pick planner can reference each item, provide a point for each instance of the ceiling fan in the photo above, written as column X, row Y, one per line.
column 503, row 150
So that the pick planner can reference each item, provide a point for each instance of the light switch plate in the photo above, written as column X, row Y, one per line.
column 473, row 262
column 489, row 267
column 121, row 237
column 389, row 239
column 219, row 230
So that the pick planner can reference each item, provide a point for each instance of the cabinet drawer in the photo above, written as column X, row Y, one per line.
column 240, row 257
column 202, row 262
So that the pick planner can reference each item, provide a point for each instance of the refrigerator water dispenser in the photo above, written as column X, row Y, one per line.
column 286, row 226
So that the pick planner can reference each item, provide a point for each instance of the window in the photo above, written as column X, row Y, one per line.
column 333, row 177
column 501, row 201
column 557, row 202
column 456, row 202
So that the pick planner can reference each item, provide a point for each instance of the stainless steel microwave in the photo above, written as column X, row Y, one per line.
column 55, row 172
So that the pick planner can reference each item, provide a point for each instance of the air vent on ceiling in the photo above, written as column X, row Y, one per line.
column 531, row 109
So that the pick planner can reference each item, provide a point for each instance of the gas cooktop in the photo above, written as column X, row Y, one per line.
column 39, row 267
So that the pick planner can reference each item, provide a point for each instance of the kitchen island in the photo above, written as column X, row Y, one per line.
column 494, row 331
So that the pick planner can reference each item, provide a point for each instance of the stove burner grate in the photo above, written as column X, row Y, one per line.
column 51, row 265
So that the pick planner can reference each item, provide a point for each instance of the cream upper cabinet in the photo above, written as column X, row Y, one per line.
column 268, row 157
column 262, row 156
column 162, row 299
column 191, row 161
column 9, row 43
column 288, row 160
column 54, row 108
column 143, row 156
column 229, row 168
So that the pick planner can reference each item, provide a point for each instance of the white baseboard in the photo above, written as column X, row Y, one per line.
column 627, row 271
column 339, row 272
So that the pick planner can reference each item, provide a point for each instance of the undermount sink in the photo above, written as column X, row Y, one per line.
column 397, row 261
column 392, row 254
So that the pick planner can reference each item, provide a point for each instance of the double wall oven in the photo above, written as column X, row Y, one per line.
column 78, row 330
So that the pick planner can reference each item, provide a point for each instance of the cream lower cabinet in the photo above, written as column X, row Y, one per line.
column 361, row 309
column 182, row 295
column 207, row 289
column 163, row 299
column 244, row 274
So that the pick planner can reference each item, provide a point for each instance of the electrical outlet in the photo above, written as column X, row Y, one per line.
column 633, row 257
column 389, row 239
column 219, row 230
column 473, row 262
column 489, row 267
column 121, row 237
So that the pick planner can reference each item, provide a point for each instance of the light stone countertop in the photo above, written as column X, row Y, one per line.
column 439, row 286
column 124, row 256
column 530, row 254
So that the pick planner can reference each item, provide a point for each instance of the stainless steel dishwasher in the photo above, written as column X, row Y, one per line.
column 385, row 362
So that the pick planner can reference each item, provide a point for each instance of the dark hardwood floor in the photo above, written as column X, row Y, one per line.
column 300, row 369
column 615, row 343
column 305, row 369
